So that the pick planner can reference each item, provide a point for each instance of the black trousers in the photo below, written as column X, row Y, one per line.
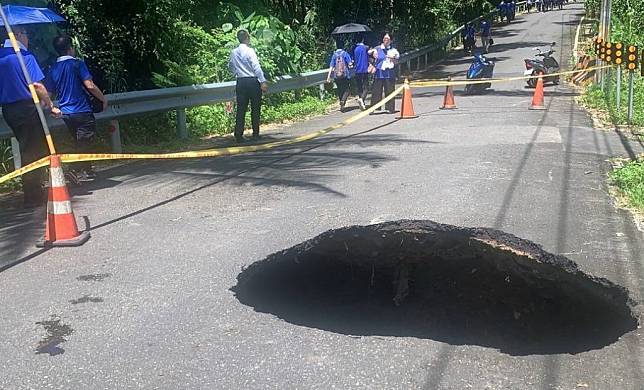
column 362, row 85
column 82, row 128
column 343, row 90
column 22, row 118
column 248, row 90
column 388, row 85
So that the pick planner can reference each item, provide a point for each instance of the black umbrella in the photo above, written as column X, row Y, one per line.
column 351, row 28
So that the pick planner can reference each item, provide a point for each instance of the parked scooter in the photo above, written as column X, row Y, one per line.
column 545, row 65
column 481, row 68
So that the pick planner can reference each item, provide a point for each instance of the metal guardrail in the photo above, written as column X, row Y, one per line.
column 180, row 98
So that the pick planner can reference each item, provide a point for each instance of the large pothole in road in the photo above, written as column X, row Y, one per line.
column 421, row 279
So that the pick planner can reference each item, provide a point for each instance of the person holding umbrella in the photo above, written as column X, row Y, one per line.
column 361, row 65
column 20, row 112
column 360, row 59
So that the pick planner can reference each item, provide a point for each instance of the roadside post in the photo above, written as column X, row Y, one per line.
column 618, row 60
column 631, row 65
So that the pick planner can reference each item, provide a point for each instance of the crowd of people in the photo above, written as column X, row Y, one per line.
column 545, row 5
column 78, row 99
column 361, row 64
column 358, row 66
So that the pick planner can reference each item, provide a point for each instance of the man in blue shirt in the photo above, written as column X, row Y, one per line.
column 20, row 112
column 361, row 67
column 70, row 80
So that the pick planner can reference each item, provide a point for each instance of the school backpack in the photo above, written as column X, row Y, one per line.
column 340, row 69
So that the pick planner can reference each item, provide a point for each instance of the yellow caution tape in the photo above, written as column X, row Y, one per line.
column 216, row 152
column 444, row 83
column 43, row 162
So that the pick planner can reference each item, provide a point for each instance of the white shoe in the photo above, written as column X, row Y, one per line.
column 361, row 104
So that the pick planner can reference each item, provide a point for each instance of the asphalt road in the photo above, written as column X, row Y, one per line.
column 146, row 303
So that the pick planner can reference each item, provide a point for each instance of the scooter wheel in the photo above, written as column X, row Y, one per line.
column 532, row 83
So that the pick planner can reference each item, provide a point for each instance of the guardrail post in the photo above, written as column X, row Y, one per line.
column 15, row 150
column 322, row 91
column 182, row 127
column 115, row 136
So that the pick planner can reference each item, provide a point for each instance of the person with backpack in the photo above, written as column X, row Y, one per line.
column 339, row 69
column 386, row 58
column 70, row 80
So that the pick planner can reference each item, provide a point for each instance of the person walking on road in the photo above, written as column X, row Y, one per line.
column 20, row 112
column 486, row 34
column 386, row 58
column 251, row 83
column 339, row 69
column 70, row 80
column 361, row 67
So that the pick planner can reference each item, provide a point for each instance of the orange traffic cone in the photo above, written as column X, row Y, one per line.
column 61, row 223
column 448, row 101
column 407, row 108
column 537, row 99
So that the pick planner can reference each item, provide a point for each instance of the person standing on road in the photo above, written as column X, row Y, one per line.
column 339, row 68
column 251, row 83
column 71, row 82
column 469, row 43
column 20, row 112
column 361, row 64
column 486, row 33
column 386, row 57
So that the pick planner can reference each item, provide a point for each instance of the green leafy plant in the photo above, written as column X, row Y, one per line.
column 629, row 179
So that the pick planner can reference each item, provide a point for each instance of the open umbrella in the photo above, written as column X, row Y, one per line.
column 350, row 28
column 18, row 14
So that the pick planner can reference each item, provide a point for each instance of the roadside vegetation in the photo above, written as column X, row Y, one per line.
column 627, row 25
column 628, row 178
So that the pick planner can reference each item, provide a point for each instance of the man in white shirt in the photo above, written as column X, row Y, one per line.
column 250, row 85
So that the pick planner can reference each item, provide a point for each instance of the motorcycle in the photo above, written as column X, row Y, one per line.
column 544, row 66
column 481, row 68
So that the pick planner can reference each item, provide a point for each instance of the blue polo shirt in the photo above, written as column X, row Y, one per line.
column 361, row 58
column 65, row 79
column 347, row 61
column 485, row 28
column 13, row 85
column 383, row 73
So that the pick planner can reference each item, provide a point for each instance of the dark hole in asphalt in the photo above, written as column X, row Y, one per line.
column 56, row 333
column 93, row 277
column 462, row 286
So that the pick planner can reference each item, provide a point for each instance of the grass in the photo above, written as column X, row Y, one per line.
column 628, row 178
column 606, row 100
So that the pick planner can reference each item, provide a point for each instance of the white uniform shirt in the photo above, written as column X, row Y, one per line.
column 244, row 63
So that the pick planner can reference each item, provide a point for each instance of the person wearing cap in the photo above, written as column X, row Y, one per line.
column 20, row 113
column 251, row 83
